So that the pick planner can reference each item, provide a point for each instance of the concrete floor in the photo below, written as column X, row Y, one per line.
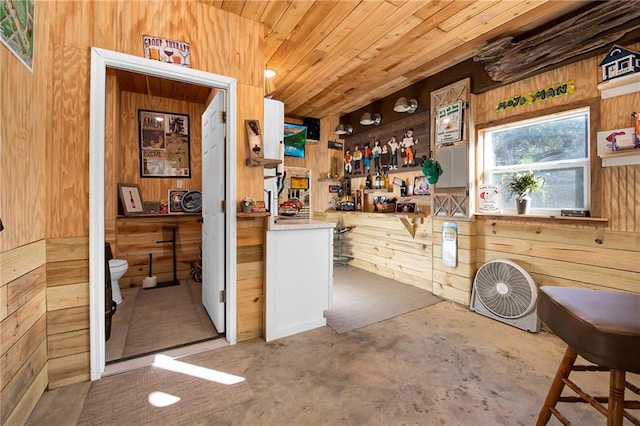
column 440, row 365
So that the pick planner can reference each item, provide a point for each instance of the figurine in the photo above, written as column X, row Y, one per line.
column 393, row 149
column 366, row 158
column 376, row 151
column 407, row 145
column 357, row 159
column 348, row 168
column 384, row 158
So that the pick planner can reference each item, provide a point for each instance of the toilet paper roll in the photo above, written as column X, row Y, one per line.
column 149, row 282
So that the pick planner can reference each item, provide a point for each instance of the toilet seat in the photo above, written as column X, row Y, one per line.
column 117, row 263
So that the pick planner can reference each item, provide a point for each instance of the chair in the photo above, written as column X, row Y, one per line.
column 603, row 327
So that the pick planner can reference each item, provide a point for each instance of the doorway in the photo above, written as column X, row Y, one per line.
column 101, row 60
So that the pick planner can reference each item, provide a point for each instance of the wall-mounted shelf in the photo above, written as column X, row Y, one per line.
column 267, row 163
column 371, row 191
column 626, row 157
column 620, row 86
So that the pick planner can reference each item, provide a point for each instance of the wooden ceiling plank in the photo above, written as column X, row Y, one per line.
column 433, row 7
column 295, row 12
column 233, row 6
column 502, row 19
column 272, row 14
column 254, row 9
column 469, row 13
column 312, row 61
column 306, row 34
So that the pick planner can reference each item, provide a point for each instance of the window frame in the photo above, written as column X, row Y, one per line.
column 592, row 175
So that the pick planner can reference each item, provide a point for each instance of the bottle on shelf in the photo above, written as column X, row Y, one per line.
column 367, row 182
column 386, row 181
column 403, row 189
column 378, row 182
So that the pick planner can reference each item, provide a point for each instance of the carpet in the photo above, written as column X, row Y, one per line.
column 165, row 318
column 137, row 390
column 361, row 298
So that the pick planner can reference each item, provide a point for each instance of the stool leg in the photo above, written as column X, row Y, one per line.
column 557, row 385
column 615, row 407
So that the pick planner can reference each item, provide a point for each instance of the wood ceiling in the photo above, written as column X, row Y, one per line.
column 333, row 57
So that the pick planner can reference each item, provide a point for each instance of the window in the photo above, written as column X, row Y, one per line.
column 554, row 147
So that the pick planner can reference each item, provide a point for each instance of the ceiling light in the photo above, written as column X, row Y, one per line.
column 340, row 130
column 367, row 119
column 269, row 73
column 402, row 105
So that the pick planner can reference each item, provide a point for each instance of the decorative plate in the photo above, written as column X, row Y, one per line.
column 192, row 202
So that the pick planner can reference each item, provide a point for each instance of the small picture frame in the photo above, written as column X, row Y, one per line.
column 405, row 207
column 151, row 207
column 421, row 186
column 175, row 200
column 254, row 137
column 130, row 199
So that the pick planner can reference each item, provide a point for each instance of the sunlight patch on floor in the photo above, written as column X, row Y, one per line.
column 162, row 399
column 170, row 364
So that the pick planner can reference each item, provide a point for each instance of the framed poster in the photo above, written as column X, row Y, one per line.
column 421, row 186
column 449, row 123
column 295, row 137
column 488, row 199
column 130, row 199
column 165, row 149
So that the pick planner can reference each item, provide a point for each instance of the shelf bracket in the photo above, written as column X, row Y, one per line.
column 409, row 226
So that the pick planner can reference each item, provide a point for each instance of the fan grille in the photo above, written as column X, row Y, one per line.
column 505, row 289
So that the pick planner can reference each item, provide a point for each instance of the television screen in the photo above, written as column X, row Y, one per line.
column 295, row 137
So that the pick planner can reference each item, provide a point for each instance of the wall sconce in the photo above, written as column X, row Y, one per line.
column 367, row 119
column 344, row 129
column 269, row 87
column 402, row 105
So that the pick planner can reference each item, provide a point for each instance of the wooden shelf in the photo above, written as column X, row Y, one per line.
column 253, row 214
column 267, row 163
column 372, row 191
column 542, row 218
column 623, row 157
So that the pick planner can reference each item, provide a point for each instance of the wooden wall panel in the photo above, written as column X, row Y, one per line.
column 615, row 192
column 22, row 328
column 69, row 369
column 128, row 152
column 250, row 277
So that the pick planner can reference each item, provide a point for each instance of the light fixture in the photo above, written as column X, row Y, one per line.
column 402, row 105
column 269, row 87
column 340, row 130
column 367, row 119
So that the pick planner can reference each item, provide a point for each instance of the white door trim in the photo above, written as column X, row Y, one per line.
column 102, row 59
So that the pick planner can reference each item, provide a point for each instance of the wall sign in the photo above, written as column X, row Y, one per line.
column 17, row 29
column 562, row 89
column 164, row 50
column 449, row 123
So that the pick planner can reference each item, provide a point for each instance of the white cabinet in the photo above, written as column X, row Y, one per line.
column 454, row 160
column 299, row 277
column 273, row 136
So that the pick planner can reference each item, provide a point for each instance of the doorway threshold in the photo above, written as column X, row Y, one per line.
column 147, row 360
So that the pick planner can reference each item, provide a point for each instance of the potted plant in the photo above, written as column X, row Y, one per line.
column 247, row 204
column 522, row 184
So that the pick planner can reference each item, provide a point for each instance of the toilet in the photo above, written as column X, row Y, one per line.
column 117, row 268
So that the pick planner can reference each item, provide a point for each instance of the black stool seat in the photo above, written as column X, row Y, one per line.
column 604, row 328
column 601, row 326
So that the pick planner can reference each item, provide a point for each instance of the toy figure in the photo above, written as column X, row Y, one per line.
column 376, row 151
column 407, row 145
column 357, row 159
column 366, row 157
column 393, row 149
column 348, row 168
column 384, row 157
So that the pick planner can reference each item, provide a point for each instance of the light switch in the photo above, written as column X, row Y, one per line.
column 179, row 183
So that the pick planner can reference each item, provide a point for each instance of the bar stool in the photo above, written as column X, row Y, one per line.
column 603, row 327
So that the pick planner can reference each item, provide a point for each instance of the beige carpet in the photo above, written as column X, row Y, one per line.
column 167, row 317
column 135, row 391
column 361, row 298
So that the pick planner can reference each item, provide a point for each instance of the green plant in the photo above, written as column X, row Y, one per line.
column 249, row 200
column 522, row 184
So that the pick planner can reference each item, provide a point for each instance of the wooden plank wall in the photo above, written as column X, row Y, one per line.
column 137, row 237
column 380, row 243
column 251, row 277
column 45, row 151
column 23, row 344
column 68, row 310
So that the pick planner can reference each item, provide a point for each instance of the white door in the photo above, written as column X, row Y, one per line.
column 213, row 214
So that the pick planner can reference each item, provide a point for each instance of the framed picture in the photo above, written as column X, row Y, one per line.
column 295, row 137
column 175, row 200
column 421, row 186
column 151, row 207
column 255, row 138
column 449, row 123
column 405, row 207
column 165, row 149
column 130, row 199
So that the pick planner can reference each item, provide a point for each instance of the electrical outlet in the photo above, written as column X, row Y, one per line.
column 179, row 183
